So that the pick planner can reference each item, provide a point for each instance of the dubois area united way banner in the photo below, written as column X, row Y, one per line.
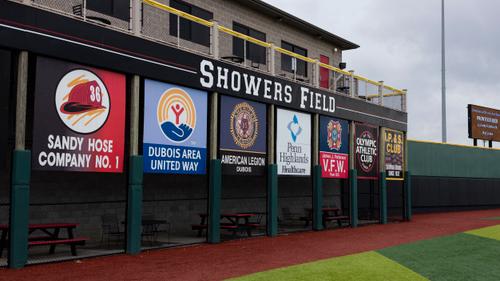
column 334, row 147
column 293, row 143
column 394, row 154
column 175, row 129
column 242, row 136
column 366, row 151
column 79, row 121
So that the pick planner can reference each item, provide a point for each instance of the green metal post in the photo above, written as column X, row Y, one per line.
column 134, row 205
column 353, row 181
column 407, row 191
column 19, row 208
column 383, row 198
column 272, row 200
column 317, row 198
column 214, row 198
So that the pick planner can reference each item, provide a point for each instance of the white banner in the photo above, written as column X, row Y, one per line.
column 293, row 143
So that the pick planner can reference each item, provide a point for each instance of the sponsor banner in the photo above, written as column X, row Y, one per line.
column 394, row 154
column 293, row 143
column 484, row 123
column 366, row 151
column 79, row 121
column 334, row 147
column 175, row 129
column 242, row 136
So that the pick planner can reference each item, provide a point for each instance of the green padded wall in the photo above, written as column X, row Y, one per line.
column 444, row 160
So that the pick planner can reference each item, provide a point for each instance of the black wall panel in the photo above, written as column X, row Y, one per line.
column 5, row 93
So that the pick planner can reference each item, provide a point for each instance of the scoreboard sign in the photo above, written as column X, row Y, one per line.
column 79, row 118
column 483, row 123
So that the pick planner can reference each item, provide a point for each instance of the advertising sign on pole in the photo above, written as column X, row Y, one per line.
column 394, row 154
column 334, row 147
column 242, row 136
column 79, row 121
column 293, row 143
column 484, row 123
column 366, row 151
column 175, row 129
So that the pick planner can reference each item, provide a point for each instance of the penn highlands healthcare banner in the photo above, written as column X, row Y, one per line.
column 366, row 151
column 242, row 136
column 394, row 154
column 293, row 143
column 79, row 121
column 334, row 147
column 175, row 129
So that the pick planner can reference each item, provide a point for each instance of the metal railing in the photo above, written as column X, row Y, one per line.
column 149, row 19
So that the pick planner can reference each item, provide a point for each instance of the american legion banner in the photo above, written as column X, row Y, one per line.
column 394, row 154
column 334, row 147
column 293, row 143
column 175, row 129
column 79, row 122
column 366, row 151
column 242, row 136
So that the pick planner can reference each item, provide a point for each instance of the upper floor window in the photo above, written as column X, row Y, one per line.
column 189, row 30
column 291, row 64
column 254, row 52
column 115, row 8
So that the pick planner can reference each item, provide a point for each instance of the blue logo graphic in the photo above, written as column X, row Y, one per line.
column 294, row 128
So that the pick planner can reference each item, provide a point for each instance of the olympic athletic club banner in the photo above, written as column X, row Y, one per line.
column 242, row 136
column 334, row 147
column 394, row 154
column 175, row 129
column 79, row 121
column 366, row 151
column 293, row 143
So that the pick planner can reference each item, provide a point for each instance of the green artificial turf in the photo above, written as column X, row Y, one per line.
column 452, row 258
column 364, row 266
column 492, row 219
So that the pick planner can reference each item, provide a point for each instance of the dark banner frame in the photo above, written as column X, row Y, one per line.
column 366, row 130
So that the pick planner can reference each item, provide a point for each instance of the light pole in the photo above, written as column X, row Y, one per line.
column 443, row 77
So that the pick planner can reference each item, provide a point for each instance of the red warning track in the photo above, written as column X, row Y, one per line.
column 236, row 258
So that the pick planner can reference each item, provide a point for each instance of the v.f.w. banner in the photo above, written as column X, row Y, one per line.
column 334, row 147
column 242, row 136
column 175, row 129
column 79, row 122
column 366, row 151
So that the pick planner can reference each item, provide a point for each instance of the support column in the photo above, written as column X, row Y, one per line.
column 214, row 177
column 407, row 192
column 272, row 176
column 135, row 19
column 381, row 93
column 135, row 179
column 21, row 174
column 351, row 84
column 317, row 180
column 383, row 198
column 215, row 40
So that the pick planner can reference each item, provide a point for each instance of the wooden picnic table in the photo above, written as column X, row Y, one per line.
column 236, row 222
column 49, row 235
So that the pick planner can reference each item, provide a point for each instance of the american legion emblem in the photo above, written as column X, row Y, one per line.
column 244, row 125
column 334, row 130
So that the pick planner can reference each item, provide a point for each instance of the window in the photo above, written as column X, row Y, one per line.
column 116, row 8
column 189, row 30
column 291, row 64
column 255, row 53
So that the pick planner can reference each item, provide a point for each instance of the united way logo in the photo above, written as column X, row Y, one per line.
column 82, row 101
column 176, row 115
column 334, row 130
column 294, row 128
column 244, row 125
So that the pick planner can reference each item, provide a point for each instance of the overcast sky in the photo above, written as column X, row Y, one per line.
column 401, row 44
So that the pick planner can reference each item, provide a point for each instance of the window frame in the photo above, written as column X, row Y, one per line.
column 288, row 61
column 254, row 53
column 190, row 31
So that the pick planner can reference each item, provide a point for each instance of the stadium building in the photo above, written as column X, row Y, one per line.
column 133, row 125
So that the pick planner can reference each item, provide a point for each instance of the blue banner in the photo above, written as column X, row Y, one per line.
column 175, row 129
